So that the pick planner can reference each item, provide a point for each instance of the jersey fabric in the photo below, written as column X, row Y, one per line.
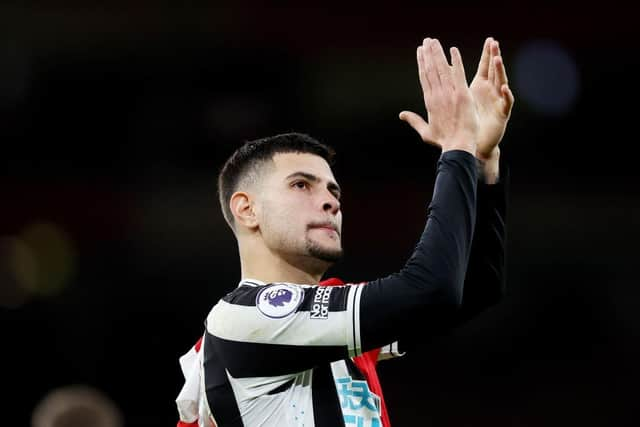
column 190, row 404
column 280, row 354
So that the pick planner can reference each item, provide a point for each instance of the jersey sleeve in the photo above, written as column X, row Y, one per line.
column 424, row 297
column 485, row 279
column 283, row 328
column 390, row 351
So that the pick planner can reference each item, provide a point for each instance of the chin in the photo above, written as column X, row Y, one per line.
column 327, row 253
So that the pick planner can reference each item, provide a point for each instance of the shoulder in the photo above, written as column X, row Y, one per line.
column 246, row 307
column 273, row 299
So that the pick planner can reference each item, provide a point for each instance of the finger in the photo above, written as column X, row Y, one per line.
column 419, row 125
column 495, row 53
column 422, row 72
column 459, row 76
column 492, row 53
column 500, row 72
column 509, row 99
column 430, row 67
column 483, row 65
column 440, row 60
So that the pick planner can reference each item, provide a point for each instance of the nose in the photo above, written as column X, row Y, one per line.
column 331, row 204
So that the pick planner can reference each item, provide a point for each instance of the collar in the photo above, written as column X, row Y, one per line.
column 251, row 282
column 332, row 281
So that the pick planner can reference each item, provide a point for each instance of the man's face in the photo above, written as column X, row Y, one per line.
column 299, row 209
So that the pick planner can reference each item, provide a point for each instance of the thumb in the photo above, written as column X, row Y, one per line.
column 419, row 125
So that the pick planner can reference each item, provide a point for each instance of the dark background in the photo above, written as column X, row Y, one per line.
column 114, row 120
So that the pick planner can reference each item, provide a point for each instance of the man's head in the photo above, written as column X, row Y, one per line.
column 280, row 192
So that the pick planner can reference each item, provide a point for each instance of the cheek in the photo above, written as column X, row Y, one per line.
column 282, row 219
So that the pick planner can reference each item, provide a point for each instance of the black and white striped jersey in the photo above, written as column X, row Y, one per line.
column 279, row 354
column 288, row 364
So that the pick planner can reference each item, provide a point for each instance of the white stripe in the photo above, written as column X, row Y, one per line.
column 396, row 350
column 351, row 339
column 292, row 407
column 356, row 326
column 390, row 351
column 246, row 323
column 251, row 282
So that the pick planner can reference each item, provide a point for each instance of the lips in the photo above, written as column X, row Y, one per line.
column 326, row 226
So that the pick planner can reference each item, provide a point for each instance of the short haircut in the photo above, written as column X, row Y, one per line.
column 245, row 162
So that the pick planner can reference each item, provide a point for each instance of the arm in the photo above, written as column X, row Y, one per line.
column 485, row 282
column 357, row 318
column 427, row 292
column 485, row 279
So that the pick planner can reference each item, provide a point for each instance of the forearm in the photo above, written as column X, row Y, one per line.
column 486, row 274
column 431, row 281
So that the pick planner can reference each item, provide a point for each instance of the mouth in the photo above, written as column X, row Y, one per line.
column 325, row 226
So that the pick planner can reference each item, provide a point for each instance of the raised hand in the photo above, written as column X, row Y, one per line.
column 493, row 99
column 453, row 119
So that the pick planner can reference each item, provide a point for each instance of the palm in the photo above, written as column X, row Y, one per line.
column 493, row 99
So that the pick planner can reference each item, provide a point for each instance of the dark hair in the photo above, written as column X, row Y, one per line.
column 253, row 154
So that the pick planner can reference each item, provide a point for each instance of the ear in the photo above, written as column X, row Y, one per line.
column 242, row 209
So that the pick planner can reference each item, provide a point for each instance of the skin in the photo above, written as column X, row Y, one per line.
column 288, row 223
column 492, row 99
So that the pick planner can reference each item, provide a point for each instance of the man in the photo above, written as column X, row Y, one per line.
column 279, row 350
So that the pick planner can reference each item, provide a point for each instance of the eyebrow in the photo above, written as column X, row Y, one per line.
column 330, row 184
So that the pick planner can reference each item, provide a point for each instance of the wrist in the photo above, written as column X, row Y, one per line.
column 461, row 142
column 493, row 155
column 489, row 166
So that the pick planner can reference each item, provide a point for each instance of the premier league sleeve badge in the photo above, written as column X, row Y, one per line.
column 279, row 300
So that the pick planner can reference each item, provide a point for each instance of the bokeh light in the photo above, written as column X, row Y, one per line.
column 76, row 406
column 546, row 77
column 54, row 255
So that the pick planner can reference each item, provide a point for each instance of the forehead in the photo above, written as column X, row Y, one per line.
column 288, row 163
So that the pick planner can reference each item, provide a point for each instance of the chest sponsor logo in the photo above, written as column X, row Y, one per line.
column 360, row 407
column 320, row 305
column 279, row 300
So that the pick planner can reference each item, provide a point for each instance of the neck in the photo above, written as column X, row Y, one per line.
column 258, row 262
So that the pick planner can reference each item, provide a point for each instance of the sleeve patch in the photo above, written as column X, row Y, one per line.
column 279, row 300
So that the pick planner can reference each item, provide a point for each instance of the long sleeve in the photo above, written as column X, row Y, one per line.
column 485, row 282
column 426, row 294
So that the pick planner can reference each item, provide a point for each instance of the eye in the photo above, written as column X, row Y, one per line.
column 302, row 185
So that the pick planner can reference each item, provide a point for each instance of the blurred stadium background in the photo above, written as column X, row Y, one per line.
column 114, row 120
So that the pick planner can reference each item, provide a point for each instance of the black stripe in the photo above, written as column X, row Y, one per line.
column 354, row 371
column 220, row 396
column 326, row 405
column 283, row 387
column 246, row 295
column 243, row 359
column 243, row 295
column 337, row 300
